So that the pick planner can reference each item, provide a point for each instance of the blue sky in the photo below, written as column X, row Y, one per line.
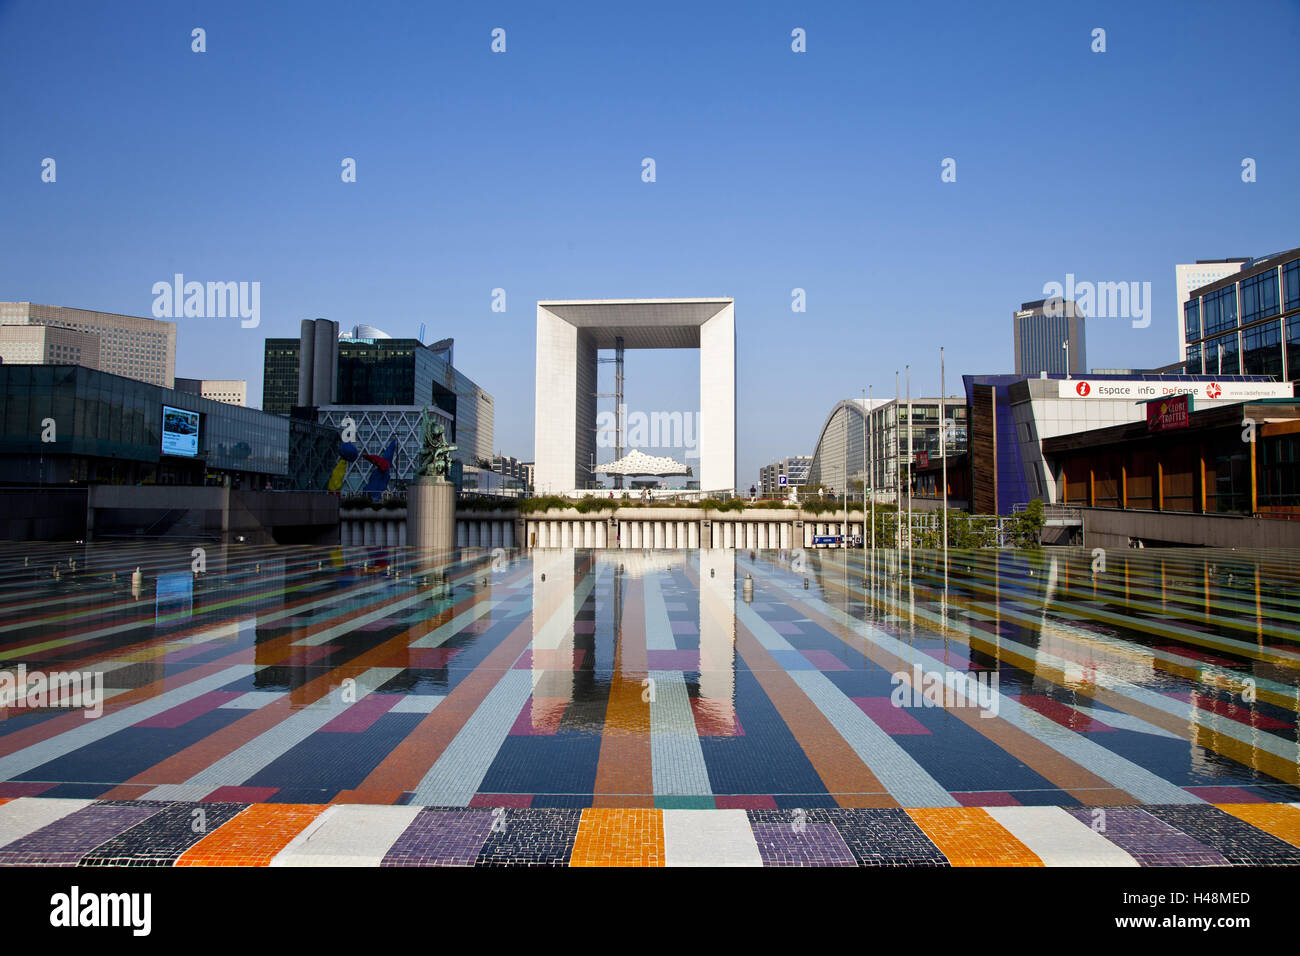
column 775, row 170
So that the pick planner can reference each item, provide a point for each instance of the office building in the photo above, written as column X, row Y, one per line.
column 1186, row 459
column 280, row 375
column 1049, row 336
column 48, row 345
column 322, row 370
column 883, row 449
column 1192, row 276
column 1010, row 417
column 1248, row 322
column 113, row 430
column 229, row 391
column 130, row 346
column 794, row 470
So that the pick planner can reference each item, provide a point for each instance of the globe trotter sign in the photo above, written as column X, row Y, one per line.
column 1168, row 414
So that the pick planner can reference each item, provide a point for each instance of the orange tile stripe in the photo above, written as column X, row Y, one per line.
column 184, row 764
column 408, row 762
column 254, row 837
column 1279, row 819
column 968, row 836
column 624, row 776
column 629, row 837
column 847, row 778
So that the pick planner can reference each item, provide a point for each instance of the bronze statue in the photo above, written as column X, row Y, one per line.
column 435, row 450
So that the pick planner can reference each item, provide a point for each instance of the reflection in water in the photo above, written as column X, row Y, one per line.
column 616, row 672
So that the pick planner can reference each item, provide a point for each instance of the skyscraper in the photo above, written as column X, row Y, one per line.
column 1049, row 337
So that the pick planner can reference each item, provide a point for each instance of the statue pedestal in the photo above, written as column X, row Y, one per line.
column 431, row 514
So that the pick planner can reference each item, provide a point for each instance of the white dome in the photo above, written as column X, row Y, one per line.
column 365, row 332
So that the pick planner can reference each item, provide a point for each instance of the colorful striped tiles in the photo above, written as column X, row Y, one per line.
column 306, row 706
column 58, row 832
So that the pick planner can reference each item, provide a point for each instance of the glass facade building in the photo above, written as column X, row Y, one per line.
column 280, row 376
column 883, row 449
column 63, row 424
column 1247, row 323
column 401, row 373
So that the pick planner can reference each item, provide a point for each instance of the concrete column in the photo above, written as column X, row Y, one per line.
column 624, row 535
column 692, row 534
column 729, row 534
column 659, row 534
column 431, row 514
column 602, row 534
column 402, row 539
column 785, row 535
column 508, row 534
column 807, row 534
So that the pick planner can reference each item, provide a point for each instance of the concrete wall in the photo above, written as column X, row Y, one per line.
column 42, row 514
column 265, row 517
column 750, row 529
column 1112, row 528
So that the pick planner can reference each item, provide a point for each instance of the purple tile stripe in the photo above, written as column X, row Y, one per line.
column 1149, row 840
column 358, row 718
column 441, row 838
column 64, row 842
column 892, row 720
column 673, row 660
column 187, row 711
column 825, row 661
column 819, row 844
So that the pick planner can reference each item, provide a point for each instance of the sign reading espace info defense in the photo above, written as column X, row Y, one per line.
column 1168, row 414
column 1138, row 390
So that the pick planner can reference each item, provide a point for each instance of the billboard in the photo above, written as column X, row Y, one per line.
column 1137, row 390
column 1167, row 414
column 180, row 432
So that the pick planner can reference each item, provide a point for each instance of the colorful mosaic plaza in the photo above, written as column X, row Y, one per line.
column 296, row 706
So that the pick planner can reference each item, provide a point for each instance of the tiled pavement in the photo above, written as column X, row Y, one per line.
column 630, row 708
column 67, row 832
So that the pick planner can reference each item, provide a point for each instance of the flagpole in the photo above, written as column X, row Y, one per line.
column 898, row 477
column 909, row 460
column 871, row 468
column 943, row 455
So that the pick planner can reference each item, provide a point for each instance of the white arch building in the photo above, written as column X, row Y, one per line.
column 569, row 335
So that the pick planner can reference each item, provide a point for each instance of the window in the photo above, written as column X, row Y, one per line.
column 1291, row 281
column 1293, row 348
column 1192, row 319
column 1262, row 352
column 1221, row 356
column 1259, row 296
column 1220, row 310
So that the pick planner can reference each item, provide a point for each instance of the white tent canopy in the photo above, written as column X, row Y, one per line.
column 638, row 462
